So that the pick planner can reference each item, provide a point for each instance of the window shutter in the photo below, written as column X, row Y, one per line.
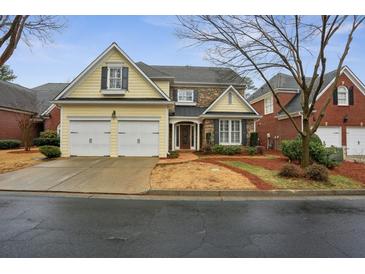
column 335, row 101
column 125, row 78
column 351, row 95
column 195, row 96
column 244, row 132
column 174, row 95
column 216, row 131
column 104, row 77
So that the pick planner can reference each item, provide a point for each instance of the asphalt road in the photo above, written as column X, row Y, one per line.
column 32, row 226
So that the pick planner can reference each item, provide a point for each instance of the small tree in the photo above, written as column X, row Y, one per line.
column 26, row 126
column 265, row 44
column 6, row 73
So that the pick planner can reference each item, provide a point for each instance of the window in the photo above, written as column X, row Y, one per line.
column 185, row 96
column 269, row 107
column 230, row 132
column 115, row 78
column 342, row 96
column 230, row 98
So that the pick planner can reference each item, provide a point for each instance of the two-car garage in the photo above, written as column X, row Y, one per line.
column 95, row 137
column 355, row 138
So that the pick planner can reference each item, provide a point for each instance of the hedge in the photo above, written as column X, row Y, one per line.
column 10, row 143
column 46, row 141
column 50, row 151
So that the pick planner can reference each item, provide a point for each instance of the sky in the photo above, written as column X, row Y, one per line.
column 150, row 39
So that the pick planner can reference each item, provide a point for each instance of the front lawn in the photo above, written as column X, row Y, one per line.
column 270, row 176
column 15, row 159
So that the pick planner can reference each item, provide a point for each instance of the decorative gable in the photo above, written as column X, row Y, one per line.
column 95, row 81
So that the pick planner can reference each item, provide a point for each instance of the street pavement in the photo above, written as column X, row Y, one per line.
column 40, row 226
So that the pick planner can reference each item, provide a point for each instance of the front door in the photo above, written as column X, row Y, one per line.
column 185, row 137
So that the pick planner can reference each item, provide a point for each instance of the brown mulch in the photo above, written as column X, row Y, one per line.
column 24, row 151
column 258, row 182
column 352, row 170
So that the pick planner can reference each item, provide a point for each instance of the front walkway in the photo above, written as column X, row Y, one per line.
column 125, row 175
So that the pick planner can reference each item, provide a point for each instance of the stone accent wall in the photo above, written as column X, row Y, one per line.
column 250, row 128
column 208, row 127
column 206, row 95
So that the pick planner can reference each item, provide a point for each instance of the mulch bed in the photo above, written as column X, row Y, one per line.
column 352, row 170
column 259, row 183
column 24, row 152
column 271, row 164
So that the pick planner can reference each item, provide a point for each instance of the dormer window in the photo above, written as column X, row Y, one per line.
column 185, row 96
column 342, row 96
column 114, row 78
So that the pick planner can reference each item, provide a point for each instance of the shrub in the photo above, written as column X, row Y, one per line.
column 226, row 150
column 11, row 143
column 290, row 171
column 49, row 134
column 292, row 149
column 46, row 141
column 254, row 139
column 317, row 172
column 251, row 151
column 173, row 154
column 260, row 150
column 50, row 151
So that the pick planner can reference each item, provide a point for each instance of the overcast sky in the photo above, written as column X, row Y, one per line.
column 150, row 39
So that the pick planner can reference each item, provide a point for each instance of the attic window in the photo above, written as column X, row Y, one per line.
column 269, row 107
column 342, row 96
column 114, row 77
column 230, row 98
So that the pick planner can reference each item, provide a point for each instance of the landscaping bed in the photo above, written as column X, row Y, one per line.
column 15, row 159
column 198, row 176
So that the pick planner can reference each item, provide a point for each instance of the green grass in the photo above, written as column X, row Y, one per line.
column 272, row 177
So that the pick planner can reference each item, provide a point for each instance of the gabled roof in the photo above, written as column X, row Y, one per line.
column 114, row 45
column 17, row 97
column 231, row 88
column 193, row 74
column 46, row 93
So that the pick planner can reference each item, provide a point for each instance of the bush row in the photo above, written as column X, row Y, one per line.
column 313, row 172
column 50, row 151
column 329, row 157
column 8, row 144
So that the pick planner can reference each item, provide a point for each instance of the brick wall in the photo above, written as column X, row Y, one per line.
column 53, row 121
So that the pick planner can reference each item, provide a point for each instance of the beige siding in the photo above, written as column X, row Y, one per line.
column 95, row 111
column 236, row 106
column 164, row 85
column 90, row 84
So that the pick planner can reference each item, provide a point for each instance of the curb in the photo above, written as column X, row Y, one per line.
column 255, row 193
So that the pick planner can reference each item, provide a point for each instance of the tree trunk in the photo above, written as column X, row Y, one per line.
column 305, row 144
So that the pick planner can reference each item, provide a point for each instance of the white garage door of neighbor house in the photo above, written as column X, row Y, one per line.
column 355, row 141
column 138, row 138
column 330, row 136
column 90, row 138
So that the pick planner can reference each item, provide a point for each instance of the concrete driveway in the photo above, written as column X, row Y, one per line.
column 126, row 175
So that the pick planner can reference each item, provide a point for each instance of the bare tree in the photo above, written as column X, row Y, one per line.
column 262, row 44
column 26, row 127
column 25, row 27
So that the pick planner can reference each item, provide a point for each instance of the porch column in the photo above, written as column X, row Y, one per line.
column 173, row 137
column 198, row 137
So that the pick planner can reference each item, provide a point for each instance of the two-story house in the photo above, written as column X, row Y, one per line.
column 117, row 107
column 342, row 125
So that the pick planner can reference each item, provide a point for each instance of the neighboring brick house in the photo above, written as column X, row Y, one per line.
column 342, row 125
column 17, row 101
column 49, row 112
column 117, row 107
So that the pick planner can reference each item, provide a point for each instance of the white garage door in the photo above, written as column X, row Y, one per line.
column 138, row 138
column 355, row 141
column 330, row 136
column 90, row 138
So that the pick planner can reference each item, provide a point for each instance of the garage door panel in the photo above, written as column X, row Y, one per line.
column 355, row 141
column 330, row 136
column 138, row 138
column 90, row 138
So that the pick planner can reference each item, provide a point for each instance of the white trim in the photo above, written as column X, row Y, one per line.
column 138, row 118
column 292, row 114
column 185, row 90
column 114, row 45
column 185, row 103
column 48, row 110
column 231, row 116
column 15, row 110
column 271, row 98
column 89, row 118
column 223, row 93
column 346, row 92
column 117, row 102
column 276, row 90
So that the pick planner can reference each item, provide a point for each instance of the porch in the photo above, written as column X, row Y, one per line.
column 185, row 134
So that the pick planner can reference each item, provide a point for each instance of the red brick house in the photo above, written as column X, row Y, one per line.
column 342, row 125
column 17, row 102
